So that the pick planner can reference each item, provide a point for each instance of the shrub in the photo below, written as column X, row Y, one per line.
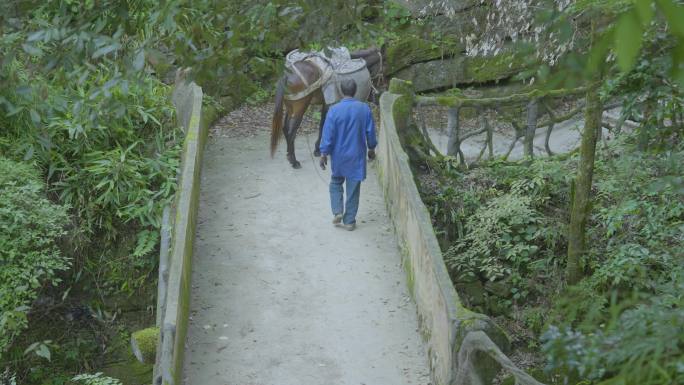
column 29, row 258
column 110, row 150
column 640, row 346
column 500, row 239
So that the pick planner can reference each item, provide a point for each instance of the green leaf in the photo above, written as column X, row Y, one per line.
column 139, row 61
column 628, row 40
column 38, row 35
column 29, row 153
column 599, row 52
column 674, row 13
column 678, row 63
column 44, row 352
column 35, row 117
column 645, row 11
column 105, row 50
column 32, row 50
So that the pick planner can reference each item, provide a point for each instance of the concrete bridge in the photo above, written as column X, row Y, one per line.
column 280, row 296
column 257, row 287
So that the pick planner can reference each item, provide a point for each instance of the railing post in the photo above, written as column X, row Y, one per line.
column 411, row 138
column 403, row 108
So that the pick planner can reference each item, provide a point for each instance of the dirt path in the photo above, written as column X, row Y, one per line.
column 282, row 297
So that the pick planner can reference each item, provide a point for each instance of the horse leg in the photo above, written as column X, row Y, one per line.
column 286, row 126
column 295, row 121
column 324, row 113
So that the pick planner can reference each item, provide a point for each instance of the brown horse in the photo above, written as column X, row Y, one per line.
column 292, row 83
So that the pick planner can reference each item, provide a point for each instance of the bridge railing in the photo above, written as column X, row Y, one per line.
column 178, row 235
column 464, row 347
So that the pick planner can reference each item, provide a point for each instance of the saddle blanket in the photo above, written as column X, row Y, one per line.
column 335, row 65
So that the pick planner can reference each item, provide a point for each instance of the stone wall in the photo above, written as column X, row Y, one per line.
column 440, row 74
column 187, row 98
column 464, row 347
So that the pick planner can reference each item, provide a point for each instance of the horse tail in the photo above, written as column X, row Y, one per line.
column 277, row 124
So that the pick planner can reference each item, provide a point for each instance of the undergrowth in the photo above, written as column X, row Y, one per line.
column 502, row 227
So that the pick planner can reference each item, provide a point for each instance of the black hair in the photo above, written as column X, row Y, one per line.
column 348, row 87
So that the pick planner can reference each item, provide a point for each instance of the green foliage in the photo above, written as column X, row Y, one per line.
column 651, row 99
column 7, row 378
column 82, row 97
column 500, row 238
column 110, row 151
column 30, row 226
column 632, row 32
column 622, row 323
column 641, row 345
column 495, row 218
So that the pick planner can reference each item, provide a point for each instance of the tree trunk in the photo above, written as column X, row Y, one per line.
column 453, row 126
column 647, row 123
column 532, row 109
column 581, row 197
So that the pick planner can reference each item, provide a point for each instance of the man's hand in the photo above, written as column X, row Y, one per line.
column 324, row 161
column 371, row 154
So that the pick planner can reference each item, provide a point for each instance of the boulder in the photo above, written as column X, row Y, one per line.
column 435, row 74
column 462, row 70
column 412, row 50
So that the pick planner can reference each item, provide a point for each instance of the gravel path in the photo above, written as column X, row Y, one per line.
column 279, row 295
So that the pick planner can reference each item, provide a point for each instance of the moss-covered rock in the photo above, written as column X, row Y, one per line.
column 411, row 50
column 401, row 87
column 487, row 69
column 144, row 344
column 436, row 74
column 463, row 70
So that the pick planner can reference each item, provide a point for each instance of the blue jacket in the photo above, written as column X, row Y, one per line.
column 347, row 132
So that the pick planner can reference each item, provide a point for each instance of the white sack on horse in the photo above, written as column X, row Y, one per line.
column 335, row 65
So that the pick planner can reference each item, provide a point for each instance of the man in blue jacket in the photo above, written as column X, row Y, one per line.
column 347, row 132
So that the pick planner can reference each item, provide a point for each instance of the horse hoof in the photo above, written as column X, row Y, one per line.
column 317, row 153
column 296, row 165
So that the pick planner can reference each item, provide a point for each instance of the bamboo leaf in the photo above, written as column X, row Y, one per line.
column 105, row 50
column 628, row 40
column 674, row 13
column 139, row 61
column 645, row 11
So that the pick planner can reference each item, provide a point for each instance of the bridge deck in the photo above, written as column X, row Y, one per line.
column 282, row 297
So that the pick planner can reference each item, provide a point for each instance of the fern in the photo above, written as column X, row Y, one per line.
column 147, row 240
column 96, row 379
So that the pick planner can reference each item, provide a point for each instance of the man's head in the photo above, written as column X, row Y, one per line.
column 348, row 88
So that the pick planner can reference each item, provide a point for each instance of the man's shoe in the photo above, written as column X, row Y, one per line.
column 337, row 219
column 349, row 227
